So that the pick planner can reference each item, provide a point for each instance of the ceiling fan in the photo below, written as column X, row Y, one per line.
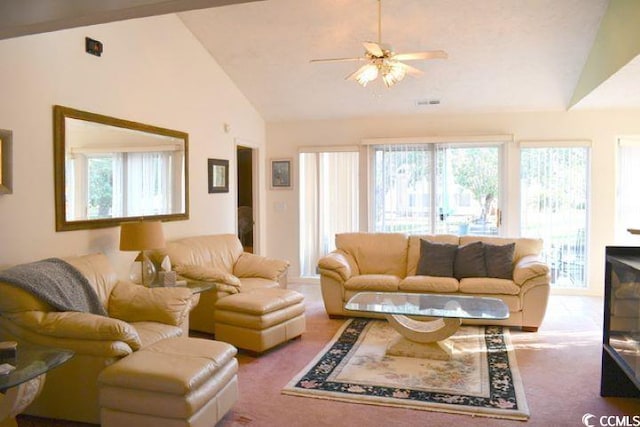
column 382, row 60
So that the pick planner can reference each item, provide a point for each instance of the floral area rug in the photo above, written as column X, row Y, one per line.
column 481, row 379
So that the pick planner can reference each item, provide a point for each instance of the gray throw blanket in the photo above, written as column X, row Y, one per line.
column 56, row 282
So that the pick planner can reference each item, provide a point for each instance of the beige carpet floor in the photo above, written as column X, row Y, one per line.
column 559, row 365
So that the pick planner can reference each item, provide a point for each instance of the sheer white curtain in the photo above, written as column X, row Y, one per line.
column 148, row 178
column 628, row 202
column 118, row 185
column 329, row 200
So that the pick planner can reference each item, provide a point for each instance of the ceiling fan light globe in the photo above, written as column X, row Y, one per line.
column 398, row 71
column 367, row 74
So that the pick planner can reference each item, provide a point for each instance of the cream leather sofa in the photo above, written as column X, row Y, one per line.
column 387, row 262
column 138, row 317
column 220, row 258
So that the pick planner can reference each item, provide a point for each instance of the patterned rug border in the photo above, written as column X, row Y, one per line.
column 522, row 413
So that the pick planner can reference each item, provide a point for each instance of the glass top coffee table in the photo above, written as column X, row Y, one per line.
column 22, row 385
column 426, row 338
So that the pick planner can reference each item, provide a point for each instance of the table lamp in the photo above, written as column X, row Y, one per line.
column 141, row 236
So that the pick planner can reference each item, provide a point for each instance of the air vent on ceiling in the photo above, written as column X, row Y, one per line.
column 427, row 102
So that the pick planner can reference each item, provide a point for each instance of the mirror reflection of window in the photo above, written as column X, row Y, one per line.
column 113, row 172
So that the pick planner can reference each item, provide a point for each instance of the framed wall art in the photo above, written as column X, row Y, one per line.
column 218, row 171
column 281, row 174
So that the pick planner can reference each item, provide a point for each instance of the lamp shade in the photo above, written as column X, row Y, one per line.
column 141, row 235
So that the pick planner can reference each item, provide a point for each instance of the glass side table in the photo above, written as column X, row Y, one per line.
column 195, row 286
column 21, row 386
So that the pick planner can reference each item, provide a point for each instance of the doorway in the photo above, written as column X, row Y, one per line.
column 245, row 200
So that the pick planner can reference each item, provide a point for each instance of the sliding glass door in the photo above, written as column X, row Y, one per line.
column 436, row 188
column 554, row 202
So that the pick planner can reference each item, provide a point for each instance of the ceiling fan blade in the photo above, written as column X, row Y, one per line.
column 353, row 75
column 338, row 60
column 413, row 71
column 374, row 49
column 431, row 54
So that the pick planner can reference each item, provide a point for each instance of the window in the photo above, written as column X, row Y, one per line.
column 554, row 202
column 436, row 188
column 329, row 200
column 97, row 187
column 627, row 200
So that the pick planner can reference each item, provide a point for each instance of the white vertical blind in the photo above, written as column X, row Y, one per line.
column 435, row 188
column 402, row 195
column 329, row 201
column 554, row 207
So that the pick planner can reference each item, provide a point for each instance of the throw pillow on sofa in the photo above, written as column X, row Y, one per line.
column 436, row 259
column 499, row 260
column 470, row 261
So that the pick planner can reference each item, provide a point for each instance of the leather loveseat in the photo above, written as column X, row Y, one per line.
column 220, row 258
column 389, row 262
column 137, row 317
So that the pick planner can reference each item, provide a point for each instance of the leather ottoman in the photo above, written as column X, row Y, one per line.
column 174, row 382
column 260, row 319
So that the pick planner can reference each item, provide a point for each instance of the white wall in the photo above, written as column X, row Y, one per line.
column 153, row 71
column 601, row 128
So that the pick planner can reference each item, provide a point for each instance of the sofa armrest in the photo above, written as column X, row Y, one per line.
column 337, row 263
column 528, row 268
column 134, row 303
column 74, row 325
column 252, row 265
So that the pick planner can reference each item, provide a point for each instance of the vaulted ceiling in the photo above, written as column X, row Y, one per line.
column 504, row 55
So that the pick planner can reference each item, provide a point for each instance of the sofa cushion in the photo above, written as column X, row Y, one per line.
column 488, row 285
column 99, row 272
column 413, row 254
column 524, row 246
column 133, row 303
column 428, row 284
column 373, row 282
column 15, row 300
column 218, row 250
column 153, row 332
column 436, row 259
column 376, row 253
column 470, row 261
column 251, row 283
column 499, row 260
column 252, row 265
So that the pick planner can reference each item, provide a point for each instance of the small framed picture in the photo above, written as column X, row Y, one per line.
column 281, row 174
column 218, row 176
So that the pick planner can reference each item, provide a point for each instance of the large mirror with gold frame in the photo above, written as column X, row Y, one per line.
column 110, row 170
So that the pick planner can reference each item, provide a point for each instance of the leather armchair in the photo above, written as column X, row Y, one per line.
column 220, row 258
column 137, row 317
